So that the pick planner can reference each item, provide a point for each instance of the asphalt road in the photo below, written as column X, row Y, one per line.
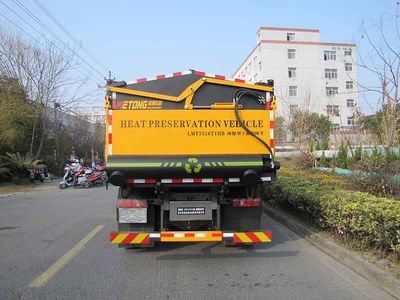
column 59, row 229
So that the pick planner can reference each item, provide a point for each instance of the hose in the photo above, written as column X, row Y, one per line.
column 237, row 96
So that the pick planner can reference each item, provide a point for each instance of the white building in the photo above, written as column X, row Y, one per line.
column 94, row 114
column 308, row 74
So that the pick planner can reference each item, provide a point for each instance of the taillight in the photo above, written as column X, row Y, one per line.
column 246, row 202
column 132, row 203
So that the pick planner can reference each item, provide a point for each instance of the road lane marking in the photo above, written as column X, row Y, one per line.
column 59, row 264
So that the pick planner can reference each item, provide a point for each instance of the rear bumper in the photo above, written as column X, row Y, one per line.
column 143, row 238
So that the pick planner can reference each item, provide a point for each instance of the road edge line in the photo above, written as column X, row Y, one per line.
column 42, row 279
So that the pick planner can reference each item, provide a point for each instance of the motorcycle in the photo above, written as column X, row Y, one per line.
column 97, row 176
column 75, row 176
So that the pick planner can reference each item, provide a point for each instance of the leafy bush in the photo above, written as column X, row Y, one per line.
column 20, row 164
column 362, row 219
column 379, row 174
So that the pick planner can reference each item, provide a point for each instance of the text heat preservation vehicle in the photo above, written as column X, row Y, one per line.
column 189, row 152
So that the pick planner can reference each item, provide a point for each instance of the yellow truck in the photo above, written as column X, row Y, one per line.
column 189, row 152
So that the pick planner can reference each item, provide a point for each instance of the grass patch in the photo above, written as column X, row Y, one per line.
column 8, row 187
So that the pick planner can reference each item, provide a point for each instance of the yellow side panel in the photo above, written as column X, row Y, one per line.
column 181, row 132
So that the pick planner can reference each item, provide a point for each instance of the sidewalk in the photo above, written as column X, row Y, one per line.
column 9, row 190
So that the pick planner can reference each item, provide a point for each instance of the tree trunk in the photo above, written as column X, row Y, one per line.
column 33, row 134
column 42, row 135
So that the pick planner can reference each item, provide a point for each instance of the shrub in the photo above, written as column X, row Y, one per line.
column 323, row 162
column 362, row 219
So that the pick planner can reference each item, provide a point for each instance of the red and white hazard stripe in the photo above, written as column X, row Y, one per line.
column 222, row 77
column 176, row 74
column 271, row 129
column 162, row 76
column 109, row 129
column 182, row 180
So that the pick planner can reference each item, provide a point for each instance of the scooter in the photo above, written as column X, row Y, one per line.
column 68, row 180
column 75, row 177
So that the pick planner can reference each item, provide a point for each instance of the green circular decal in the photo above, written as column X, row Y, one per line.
column 192, row 165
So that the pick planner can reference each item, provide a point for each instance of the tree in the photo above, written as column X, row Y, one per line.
column 308, row 128
column 41, row 72
column 376, row 125
column 383, row 62
column 16, row 117
column 280, row 130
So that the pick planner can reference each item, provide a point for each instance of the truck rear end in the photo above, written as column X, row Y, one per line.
column 189, row 152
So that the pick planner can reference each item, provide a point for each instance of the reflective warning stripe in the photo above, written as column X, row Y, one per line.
column 129, row 238
column 265, row 179
column 176, row 74
column 190, row 236
column 180, row 180
column 110, row 131
column 271, row 130
column 252, row 237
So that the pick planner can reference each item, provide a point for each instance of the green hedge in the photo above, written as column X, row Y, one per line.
column 363, row 219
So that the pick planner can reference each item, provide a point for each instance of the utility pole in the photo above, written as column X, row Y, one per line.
column 56, row 150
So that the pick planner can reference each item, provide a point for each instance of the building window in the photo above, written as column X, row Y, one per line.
column 291, row 53
column 292, row 72
column 293, row 109
column 259, row 65
column 347, row 52
column 331, row 73
column 332, row 110
column 350, row 102
column 335, row 127
column 350, row 121
column 329, row 55
column 290, row 36
column 292, row 91
column 332, row 91
column 349, row 85
column 348, row 67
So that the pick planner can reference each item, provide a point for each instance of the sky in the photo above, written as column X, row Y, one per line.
column 144, row 38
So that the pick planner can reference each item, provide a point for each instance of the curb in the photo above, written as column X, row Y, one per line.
column 385, row 281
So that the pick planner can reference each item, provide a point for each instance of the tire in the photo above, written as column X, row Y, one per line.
column 63, row 185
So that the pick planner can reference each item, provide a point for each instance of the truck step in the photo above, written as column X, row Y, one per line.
column 137, row 238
